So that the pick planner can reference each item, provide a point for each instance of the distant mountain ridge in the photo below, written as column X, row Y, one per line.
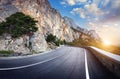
column 49, row 21
column 70, row 22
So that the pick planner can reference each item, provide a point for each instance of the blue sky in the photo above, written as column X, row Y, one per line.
column 66, row 9
column 100, row 15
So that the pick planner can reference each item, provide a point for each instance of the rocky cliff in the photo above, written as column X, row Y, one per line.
column 49, row 21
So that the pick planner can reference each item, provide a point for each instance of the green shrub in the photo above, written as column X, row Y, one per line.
column 6, row 52
column 53, row 39
column 18, row 24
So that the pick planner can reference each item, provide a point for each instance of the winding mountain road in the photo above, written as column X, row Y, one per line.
column 62, row 63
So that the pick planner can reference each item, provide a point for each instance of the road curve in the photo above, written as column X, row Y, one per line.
column 63, row 63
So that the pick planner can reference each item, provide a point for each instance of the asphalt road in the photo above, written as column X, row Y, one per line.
column 62, row 63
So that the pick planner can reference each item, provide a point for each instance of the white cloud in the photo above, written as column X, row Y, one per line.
column 79, row 11
column 112, row 11
column 106, row 2
column 113, row 3
column 88, row 10
column 111, row 33
column 107, row 31
column 102, row 3
column 73, row 2
column 116, row 24
column 90, row 24
column 96, row 19
column 63, row 3
column 116, row 4
column 93, row 9
column 81, row 0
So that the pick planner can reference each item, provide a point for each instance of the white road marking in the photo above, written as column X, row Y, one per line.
column 13, row 68
column 86, row 67
column 27, row 56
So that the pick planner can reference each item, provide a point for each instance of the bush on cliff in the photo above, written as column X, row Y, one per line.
column 6, row 52
column 18, row 24
column 53, row 39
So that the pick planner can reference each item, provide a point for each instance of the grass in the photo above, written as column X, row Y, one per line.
column 6, row 52
column 112, row 49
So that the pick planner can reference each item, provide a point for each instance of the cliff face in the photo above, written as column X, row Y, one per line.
column 49, row 21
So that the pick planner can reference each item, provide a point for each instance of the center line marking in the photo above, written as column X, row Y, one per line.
column 86, row 66
column 13, row 68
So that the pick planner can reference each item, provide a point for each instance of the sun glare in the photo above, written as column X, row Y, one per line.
column 106, row 42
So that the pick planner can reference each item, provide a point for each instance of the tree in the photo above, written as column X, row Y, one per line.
column 55, row 40
column 18, row 24
column 51, row 38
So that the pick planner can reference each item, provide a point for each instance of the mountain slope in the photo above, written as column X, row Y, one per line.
column 49, row 21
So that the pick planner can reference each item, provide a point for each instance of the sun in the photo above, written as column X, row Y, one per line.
column 106, row 42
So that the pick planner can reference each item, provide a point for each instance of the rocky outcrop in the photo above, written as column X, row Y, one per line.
column 18, row 45
column 49, row 21
column 70, row 22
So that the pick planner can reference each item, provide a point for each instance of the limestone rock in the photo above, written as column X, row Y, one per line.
column 49, row 21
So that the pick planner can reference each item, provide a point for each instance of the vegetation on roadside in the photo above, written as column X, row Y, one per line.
column 53, row 39
column 99, row 44
column 18, row 24
column 6, row 52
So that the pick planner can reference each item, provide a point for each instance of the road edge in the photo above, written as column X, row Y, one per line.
column 109, row 63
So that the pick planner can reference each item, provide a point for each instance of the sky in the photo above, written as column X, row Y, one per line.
column 100, row 15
